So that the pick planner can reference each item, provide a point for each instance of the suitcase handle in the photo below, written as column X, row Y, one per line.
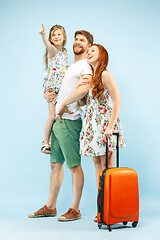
column 98, row 198
column 117, row 147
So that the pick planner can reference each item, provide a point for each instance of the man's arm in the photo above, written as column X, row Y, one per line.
column 78, row 94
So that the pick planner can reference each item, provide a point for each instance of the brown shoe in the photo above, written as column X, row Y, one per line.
column 71, row 215
column 95, row 219
column 43, row 212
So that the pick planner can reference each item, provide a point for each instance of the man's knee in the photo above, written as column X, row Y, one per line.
column 56, row 167
column 76, row 169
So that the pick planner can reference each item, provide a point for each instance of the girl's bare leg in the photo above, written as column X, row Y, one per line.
column 50, row 139
column 49, row 122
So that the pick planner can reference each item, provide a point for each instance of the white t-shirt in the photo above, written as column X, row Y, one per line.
column 69, row 83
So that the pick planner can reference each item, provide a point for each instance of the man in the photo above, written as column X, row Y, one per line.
column 65, row 136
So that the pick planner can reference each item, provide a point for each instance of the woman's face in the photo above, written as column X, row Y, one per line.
column 57, row 37
column 93, row 55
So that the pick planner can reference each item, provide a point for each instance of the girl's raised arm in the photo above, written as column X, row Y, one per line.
column 52, row 50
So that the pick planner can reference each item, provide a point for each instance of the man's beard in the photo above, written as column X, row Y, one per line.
column 82, row 50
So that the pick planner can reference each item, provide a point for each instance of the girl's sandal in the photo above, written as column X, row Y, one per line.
column 49, row 143
column 46, row 149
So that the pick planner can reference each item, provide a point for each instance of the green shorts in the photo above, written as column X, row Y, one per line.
column 65, row 144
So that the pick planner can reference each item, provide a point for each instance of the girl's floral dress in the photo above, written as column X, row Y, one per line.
column 57, row 67
column 96, row 119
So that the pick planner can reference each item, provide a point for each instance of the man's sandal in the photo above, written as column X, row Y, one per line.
column 46, row 149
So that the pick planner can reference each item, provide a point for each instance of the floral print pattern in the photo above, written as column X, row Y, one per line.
column 57, row 67
column 96, row 119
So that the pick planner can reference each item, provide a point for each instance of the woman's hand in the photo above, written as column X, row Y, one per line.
column 50, row 95
column 85, row 79
column 108, row 133
column 42, row 31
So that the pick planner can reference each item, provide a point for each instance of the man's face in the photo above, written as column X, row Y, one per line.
column 80, row 44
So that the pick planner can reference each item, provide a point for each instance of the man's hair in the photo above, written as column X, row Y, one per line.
column 86, row 34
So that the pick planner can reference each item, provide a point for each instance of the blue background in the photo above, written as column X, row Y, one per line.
column 129, row 30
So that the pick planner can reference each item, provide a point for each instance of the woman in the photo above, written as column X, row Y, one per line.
column 100, row 119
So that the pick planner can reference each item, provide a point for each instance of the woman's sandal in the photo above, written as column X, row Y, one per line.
column 46, row 149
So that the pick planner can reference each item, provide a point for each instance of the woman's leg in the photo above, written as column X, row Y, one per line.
column 98, row 167
column 110, row 160
column 49, row 122
column 100, row 163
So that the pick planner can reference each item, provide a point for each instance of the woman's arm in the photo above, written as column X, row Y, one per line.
column 110, row 84
column 52, row 50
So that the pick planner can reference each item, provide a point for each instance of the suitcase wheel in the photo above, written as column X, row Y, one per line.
column 125, row 223
column 134, row 224
column 99, row 225
column 109, row 228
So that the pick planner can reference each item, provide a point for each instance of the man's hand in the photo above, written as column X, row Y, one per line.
column 50, row 95
column 63, row 108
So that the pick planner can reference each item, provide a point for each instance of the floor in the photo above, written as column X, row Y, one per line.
column 20, row 227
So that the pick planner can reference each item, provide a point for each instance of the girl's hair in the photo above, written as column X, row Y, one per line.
column 96, row 82
column 52, row 30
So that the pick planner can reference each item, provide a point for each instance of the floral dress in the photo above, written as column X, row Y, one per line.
column 96, row 119
column 57, row 67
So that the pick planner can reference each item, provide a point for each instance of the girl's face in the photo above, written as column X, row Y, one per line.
column 93, row 55
column 57, row 37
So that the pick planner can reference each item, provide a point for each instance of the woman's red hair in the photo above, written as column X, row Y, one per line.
column 96, row 82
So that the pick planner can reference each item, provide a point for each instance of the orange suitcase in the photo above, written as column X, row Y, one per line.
column 118, row 197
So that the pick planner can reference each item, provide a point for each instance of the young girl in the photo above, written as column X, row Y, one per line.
column 56, row 62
